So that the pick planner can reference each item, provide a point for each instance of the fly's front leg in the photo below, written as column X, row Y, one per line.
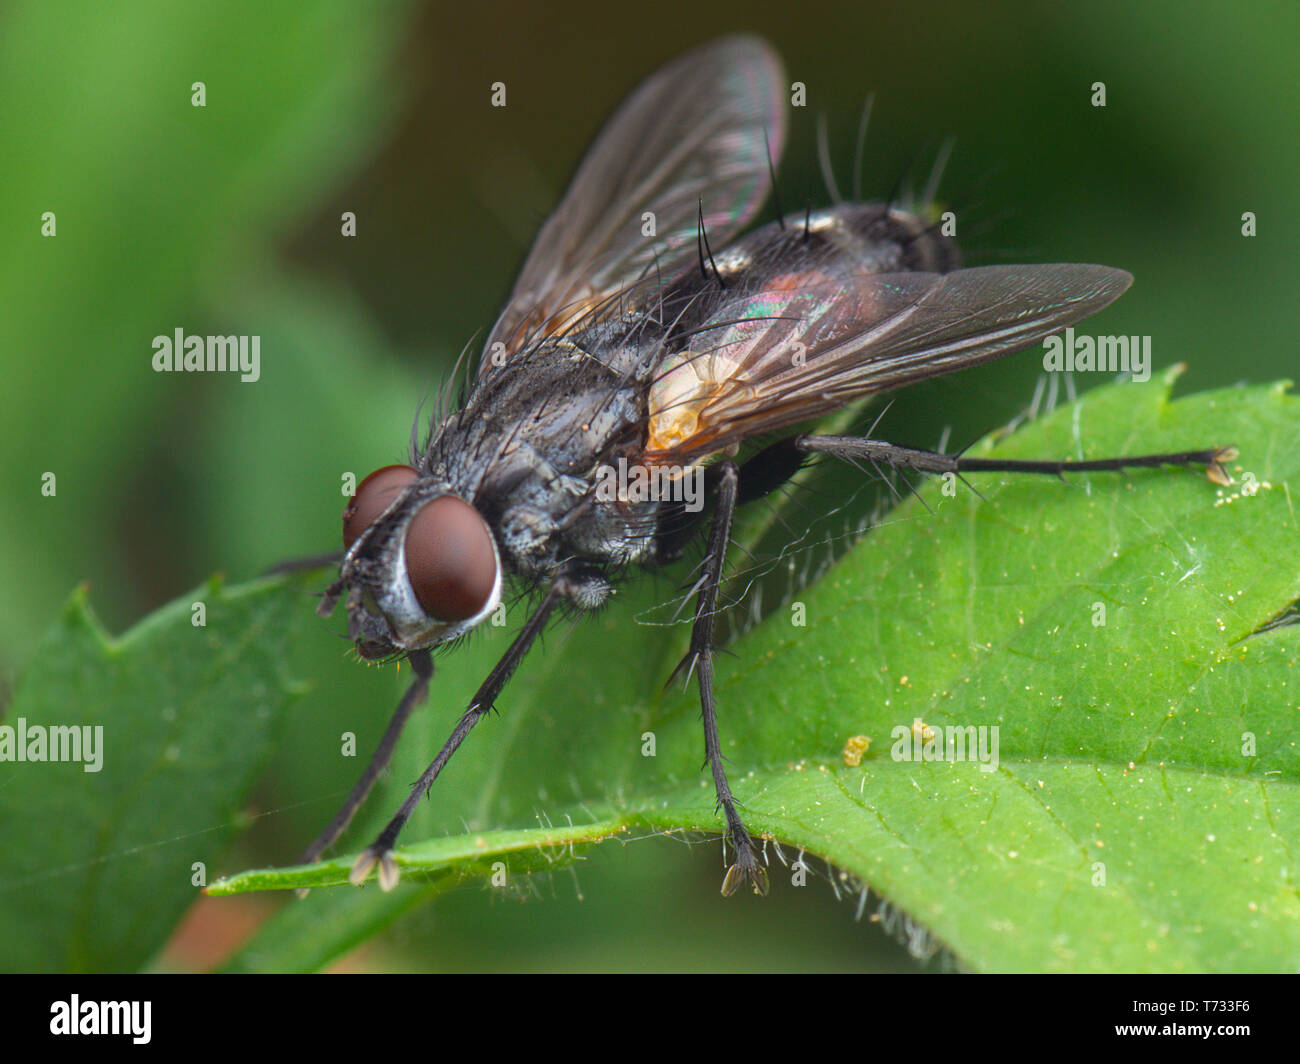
column 422, row 664
column 877, row 452
column 330, row 559
column 585, row 592
column 700, row 659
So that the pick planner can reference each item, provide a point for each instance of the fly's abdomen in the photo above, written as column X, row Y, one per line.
column 771, row 297
column 841, row 241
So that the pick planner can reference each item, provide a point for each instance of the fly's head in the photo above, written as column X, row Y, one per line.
column 421, row 565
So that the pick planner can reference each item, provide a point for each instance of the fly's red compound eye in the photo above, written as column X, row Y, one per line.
column 450, row 560
column 374, row 495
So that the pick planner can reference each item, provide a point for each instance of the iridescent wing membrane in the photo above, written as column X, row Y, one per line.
column 695, row 136
column 807, row 342
column 801, row 328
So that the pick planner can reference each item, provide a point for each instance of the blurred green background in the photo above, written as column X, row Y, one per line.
column 226, row 219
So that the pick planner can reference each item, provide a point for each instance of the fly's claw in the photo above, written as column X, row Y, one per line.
column 747, row 867
column 1215, row 469
column 388, row 871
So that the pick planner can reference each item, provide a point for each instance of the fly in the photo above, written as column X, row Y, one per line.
column 644, row 333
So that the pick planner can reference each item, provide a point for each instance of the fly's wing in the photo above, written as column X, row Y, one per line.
column 803, row 345
column 699, row 129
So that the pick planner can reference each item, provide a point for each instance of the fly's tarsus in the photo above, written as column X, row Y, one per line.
column 388, row 873
column 746, row 869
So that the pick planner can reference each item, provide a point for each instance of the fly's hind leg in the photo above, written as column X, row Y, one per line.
column 880, row 453
column 776, row 465
column 699, row 659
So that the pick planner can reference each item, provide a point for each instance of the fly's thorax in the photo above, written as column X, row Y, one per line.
column 549, row 516
column 530, row 448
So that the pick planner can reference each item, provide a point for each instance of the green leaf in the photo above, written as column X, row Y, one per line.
column 98, row 863
column 308, row 937
column 1144, row 804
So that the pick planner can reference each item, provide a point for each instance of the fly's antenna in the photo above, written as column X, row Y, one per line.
column 861, row 143
column 771, row 173
column 824, row 159
column 807, row 221
column 702, row 246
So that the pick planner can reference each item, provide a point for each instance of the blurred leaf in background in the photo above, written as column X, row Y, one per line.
column 164, row 211
column 101, row 858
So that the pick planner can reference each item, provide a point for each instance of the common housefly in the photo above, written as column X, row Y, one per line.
column 628, row 343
